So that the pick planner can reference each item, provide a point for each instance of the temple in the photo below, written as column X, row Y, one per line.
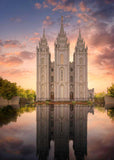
column 62, row 80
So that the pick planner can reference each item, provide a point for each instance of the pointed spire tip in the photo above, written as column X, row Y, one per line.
column 44, row 32
column 62, row 28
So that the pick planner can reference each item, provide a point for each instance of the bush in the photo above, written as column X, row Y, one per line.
column 99, row 97
column 110, row 90
column 7, row 89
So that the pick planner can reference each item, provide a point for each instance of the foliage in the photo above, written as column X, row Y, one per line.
column 110, row 113
column 29, row 93
column 7, row 89
column 99, row 97
column 110, row 90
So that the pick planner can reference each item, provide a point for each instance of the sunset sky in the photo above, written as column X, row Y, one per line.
column 21, row 25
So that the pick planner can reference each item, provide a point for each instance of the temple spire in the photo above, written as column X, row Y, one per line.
column 44, row 33
column 79, row 33
column 62, row 28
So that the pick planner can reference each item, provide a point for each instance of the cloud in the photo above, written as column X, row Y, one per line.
column 10, row 60
column 106, row 59
column 65, row 8
column 48, row 22
column 85, row 17
column 11, row 143
column 16, row 59
column 82, row 6
column 11, row 44
column 105, row 13
column 45, row 5
column 52, row 2
column 15, row 19
column 26, row 55
column 16, row 73
column 36, row 33
column 34, row 39
column 102, row 36
column 64, row 5
column 37, row 5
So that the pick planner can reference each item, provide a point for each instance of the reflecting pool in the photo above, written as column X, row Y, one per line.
column 56, row 132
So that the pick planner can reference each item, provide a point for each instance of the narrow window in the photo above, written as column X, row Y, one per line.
column 62, row 75
column 51, row 78
column 71, row 78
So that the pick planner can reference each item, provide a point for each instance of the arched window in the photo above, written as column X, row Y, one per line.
column 52, row 78
column 62, row 75
column 61, row 59
column 71, row 78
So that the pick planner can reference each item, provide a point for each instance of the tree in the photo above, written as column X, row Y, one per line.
column 110, row 90
column 7, row 89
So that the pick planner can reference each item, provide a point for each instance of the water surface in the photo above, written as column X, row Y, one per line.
column 58, row 132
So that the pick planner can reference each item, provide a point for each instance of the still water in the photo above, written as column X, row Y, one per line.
column 60, row 132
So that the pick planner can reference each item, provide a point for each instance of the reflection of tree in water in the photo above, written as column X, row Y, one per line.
column 110, row 113
column 9, row 113
column 100, row 108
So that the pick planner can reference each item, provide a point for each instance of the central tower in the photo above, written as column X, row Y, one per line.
column 61, row 66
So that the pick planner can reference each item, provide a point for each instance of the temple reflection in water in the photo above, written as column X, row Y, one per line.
column 62, row 132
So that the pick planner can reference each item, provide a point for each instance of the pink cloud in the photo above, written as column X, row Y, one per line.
column 69, row 8
column 82, row 6
column 85, row 17
column 48, row 22
column 52, row 2
column 26, row 55
column 36, row 33
column 38, row 5
column 45, row 5
column 16, row 59
column 11, row 44
column 34, row 39
column 16, row 73
column 10, row 61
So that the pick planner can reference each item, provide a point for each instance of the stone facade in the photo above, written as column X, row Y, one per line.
column 62, row 80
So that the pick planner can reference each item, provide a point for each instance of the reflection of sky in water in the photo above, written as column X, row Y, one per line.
column 18, row 139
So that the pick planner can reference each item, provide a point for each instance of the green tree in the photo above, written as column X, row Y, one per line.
column 7, row 89
column 110, row 90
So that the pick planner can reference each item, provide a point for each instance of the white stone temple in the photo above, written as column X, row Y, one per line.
column 62, row 80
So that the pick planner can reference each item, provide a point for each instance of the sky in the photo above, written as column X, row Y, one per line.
column 21, row 27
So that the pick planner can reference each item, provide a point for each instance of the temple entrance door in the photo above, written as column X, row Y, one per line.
column 52, row 95
column 71, row 96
